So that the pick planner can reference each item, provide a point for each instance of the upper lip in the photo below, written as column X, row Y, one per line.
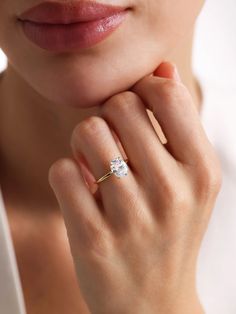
column 69, row 12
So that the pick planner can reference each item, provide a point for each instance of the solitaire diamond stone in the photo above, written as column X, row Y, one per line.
column 119, row 167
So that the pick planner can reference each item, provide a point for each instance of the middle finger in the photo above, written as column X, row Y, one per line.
column 127, row 115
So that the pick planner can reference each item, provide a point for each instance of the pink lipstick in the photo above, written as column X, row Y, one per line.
column 68, row 26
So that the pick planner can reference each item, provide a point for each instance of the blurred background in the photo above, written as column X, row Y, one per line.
column 215, row 42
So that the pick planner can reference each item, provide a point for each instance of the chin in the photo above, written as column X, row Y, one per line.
column 77, row 86
column 79, row 92
column 79, row 96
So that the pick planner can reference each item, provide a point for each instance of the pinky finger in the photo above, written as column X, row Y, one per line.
column 83, row 218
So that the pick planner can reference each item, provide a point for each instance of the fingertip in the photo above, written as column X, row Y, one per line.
column 168, row 70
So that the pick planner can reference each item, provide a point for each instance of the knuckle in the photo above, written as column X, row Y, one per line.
column 123, row 103
column 173, row 196
column 91, row 126
column 60, row 170
column 210, row 179
column 166, row 188
column 177, row 200
column 172, row 90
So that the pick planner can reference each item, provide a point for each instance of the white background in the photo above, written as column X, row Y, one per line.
column 215, row 42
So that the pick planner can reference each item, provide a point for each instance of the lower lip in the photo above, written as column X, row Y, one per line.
column 74, row 36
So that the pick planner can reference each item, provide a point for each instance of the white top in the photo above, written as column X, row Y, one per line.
column 216, row 274
column 11, row 296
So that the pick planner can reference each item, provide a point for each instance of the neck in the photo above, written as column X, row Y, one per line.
column 34, row 133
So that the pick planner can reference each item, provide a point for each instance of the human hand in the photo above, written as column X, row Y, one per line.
column 136, row 240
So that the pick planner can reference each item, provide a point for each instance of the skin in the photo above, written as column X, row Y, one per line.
column 130, row 237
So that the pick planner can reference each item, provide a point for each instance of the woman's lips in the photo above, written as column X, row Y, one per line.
column 59, row 27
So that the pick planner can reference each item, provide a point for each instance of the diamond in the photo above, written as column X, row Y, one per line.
column 119, row 167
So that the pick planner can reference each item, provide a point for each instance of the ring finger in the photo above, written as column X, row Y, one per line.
column 92, row 140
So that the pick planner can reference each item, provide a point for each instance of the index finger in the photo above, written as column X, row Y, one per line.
column 177, row 114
